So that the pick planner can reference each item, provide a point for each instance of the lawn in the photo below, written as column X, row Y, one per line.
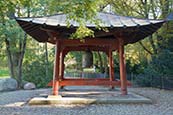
column 4, row 73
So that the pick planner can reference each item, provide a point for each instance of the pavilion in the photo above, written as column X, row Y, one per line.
column 122, row 30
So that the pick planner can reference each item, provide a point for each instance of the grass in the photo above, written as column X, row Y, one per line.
column 4, row 73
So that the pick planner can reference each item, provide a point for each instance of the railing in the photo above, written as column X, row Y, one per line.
column 165, row 82
column 162, row 82
column 85, row 75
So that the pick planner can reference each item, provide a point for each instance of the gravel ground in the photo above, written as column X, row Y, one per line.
column 14, row 103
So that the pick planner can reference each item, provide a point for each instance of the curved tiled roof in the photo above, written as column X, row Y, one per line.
column 133, row 28
column 108, row 20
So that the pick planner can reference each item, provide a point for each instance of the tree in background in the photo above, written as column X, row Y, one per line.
column 11, row 35
column 13, row 38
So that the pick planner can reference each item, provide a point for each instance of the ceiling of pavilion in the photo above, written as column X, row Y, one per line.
column 132, row 29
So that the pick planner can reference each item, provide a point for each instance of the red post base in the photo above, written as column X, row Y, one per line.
column 123, row 91
column 55, row 88
column 112, row 87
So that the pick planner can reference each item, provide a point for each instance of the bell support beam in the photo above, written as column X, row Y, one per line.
column 96, row 42
column 123, row 78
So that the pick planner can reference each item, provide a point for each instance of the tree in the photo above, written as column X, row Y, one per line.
column 13, row 37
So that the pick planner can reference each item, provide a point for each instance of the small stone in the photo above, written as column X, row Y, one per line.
column 29, row 86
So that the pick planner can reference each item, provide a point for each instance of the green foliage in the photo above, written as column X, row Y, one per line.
column 143, row 80
column 76, row 58
column 3, row 58
column 4, row 72
column 160, row 67
column 12, row 32
column 100, row 62
column 81, row 11
column 6, row 9
column 35, row 71
column 162, row 63
column 82, row 32
column 35, row 67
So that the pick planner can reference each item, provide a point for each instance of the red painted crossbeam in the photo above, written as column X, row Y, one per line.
column 94, row 82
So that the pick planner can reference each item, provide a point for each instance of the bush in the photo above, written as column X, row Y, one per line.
column 157, row 71
column 36, row 72
column 143, row 80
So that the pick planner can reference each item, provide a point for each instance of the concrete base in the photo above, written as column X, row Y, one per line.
column 54, row 96
column 71, row 96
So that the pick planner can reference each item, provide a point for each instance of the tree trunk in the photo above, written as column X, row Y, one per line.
column 146, row 14
column 9, row 55
column 101, row 62
column 152, row 44
column 15, row 59
column 20, row 60
column 165, row 7
column 143, row 46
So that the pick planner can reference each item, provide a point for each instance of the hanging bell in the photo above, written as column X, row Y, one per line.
column 87, row 59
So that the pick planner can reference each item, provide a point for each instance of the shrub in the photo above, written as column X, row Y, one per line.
column 157, row 71
column 36, row 72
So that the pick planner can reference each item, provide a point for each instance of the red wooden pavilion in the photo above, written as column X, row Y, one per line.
column 122, row 31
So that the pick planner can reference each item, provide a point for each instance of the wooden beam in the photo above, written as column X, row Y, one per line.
column 53, row 35
column 85, row 81
column 88, row 82
column 85, row 48
column 91, row 42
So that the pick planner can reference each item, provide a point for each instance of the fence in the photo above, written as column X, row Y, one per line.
column 85, row 75
column 164, row 82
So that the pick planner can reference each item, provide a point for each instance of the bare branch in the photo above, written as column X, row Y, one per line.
column 147, row 50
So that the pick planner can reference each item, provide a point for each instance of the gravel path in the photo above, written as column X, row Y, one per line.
column 13, row 103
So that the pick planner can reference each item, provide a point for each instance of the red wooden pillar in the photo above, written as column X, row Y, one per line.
column 61, row 69
column 65, row 52
column 111, row 68
column 55, row 86
column 122, row 66
column 61, row 65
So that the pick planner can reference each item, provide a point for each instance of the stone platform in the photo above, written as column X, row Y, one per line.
column 89, row 95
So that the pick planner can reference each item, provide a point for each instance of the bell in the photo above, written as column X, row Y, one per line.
column 87, row 59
